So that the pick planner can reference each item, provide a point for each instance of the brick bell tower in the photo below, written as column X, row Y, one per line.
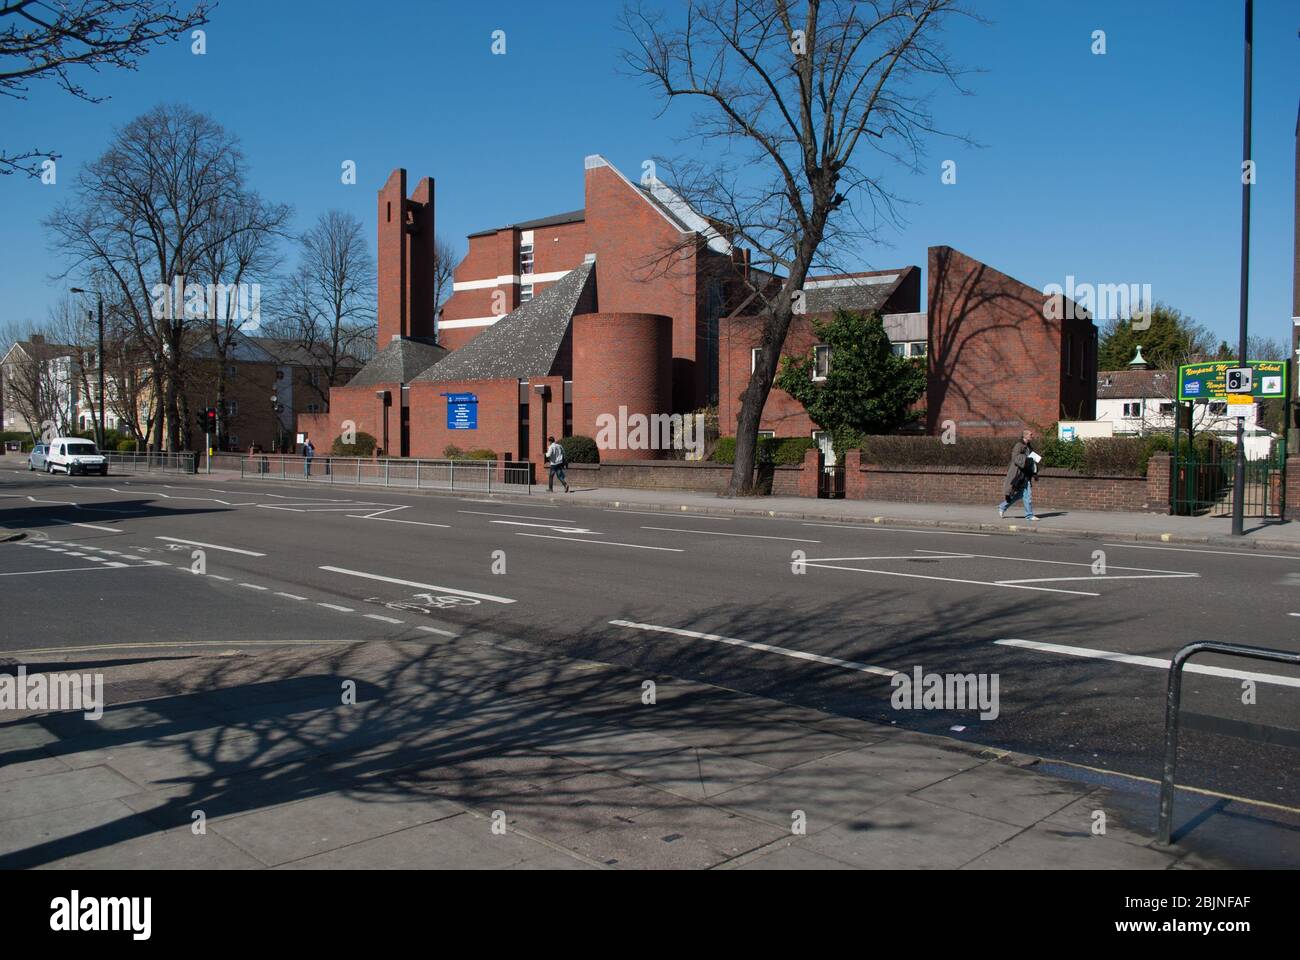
column 406, row 261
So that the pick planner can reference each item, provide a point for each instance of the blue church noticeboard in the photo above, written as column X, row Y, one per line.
column 462, row 411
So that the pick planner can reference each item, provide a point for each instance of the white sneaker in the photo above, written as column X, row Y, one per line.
column 1002, row 511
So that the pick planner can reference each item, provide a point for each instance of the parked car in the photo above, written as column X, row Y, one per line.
column 74, row 455
column 36, row 459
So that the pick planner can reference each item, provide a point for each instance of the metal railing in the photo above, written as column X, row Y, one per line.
column 149, row 462
column 483, row 476
column 1174, row 703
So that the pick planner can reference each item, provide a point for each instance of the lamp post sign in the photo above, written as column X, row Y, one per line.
column 462, row 411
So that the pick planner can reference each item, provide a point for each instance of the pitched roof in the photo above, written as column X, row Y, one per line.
column 399, row 362
column 525, row 342
column 40, row 350
column 297, row 353
column 859, row 294
column 1135, row 384
column 573, row 216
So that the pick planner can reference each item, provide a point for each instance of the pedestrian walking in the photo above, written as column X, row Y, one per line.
column 308, row 451
column 555, row 466
column 1020, row 476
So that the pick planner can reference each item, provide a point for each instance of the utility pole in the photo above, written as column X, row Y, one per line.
column 99, row 404
column 1247, row 177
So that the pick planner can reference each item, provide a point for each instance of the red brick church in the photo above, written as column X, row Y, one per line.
column 635, row 301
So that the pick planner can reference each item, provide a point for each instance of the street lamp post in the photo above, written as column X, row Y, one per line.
column 1247, row 176
column 99, row 421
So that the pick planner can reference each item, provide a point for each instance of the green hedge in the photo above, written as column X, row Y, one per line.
column 363, row 446
column 1115, row 456
column 453, row 452
column 778, row 451
column 580, row 449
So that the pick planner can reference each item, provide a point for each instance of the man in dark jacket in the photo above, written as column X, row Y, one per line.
column 1020, row 476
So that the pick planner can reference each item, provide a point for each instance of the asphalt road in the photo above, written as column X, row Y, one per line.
column 817, row 614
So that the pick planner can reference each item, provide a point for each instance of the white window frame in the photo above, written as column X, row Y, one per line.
column 1135, row 405
column 525, row 292
column 820, row 347
column 232, row 408
column 526, row 251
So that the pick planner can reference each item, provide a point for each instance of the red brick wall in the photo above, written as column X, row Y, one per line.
column 1158, row 468
column 1293, row 488
column 620, row 359
column 996, row 362
column 498, row 418
column 1053, row 489
column 359, row 405
column 405, row 259
column 555, row 248
column 638, row 272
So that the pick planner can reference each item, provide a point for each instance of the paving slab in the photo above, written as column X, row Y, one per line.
column 695, row 773
column 463, row 842
column 792, row 855
column 298, row 830
column 905, row 833
column 1046, row 846
column 57, row 791
column 675, row 836
column 52, row 834
column 1002, row 792
column 176, row 849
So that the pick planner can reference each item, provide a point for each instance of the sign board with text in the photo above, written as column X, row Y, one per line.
column 462, row 411
column 1209, row 381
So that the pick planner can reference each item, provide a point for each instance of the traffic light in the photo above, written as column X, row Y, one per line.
column 208, row 420
column 202, row 418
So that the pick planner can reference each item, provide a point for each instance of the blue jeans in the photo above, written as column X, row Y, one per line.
column 1027, row 495
column 306, row 467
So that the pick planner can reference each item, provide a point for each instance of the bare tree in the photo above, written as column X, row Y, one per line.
column 793, row 94
column 38, row 380
column 144, row 217
column 48, row 39
column 445, row 259
column 328, row 307
column 238, row 253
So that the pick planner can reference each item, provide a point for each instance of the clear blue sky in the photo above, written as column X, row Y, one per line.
column 1121, row 168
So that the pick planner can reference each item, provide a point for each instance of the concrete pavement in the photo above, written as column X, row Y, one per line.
column 474, row 753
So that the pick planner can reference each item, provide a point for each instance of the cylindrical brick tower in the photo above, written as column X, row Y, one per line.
column 623, row 360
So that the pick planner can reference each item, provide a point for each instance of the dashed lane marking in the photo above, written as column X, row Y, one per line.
column 422, row 586
column 212, row 546
column 375, row 616
column 719, row 533
column 253, row 586
column 335, row 606
column 762, row 647
column 291, row 596
column 606, row 543
column 441, row 633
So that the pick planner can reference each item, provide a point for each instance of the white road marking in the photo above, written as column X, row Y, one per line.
column 442, row 633
column 422, row 586
column 212, row 546
column 89, row 526
column 217, row 576
column 676, row 513
column 29, row 573
column 291, row 596
column 418, row 523
column 1069, row 563
column 127, row 556
column 375, row 616
column 719, row 533
column 252, row 586
column 378, row 513
column 1156, row 662
column 1226, row 553
column 764, row 647
column 607, row 543
column 877, row 528
column 905, row 556
column 1099, row 576
column 558, row 528
column 335, row 606
column 515, row 516
column 978, row 583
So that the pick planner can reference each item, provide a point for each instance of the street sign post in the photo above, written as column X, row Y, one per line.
column 1210, row 381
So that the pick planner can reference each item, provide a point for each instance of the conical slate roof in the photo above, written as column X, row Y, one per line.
column 399, row 362
column 525, row 342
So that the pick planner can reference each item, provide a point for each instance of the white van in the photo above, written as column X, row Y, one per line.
column 74, row 455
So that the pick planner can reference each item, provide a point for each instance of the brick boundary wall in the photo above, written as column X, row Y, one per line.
column 1293, row 488
column 1053, row 488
